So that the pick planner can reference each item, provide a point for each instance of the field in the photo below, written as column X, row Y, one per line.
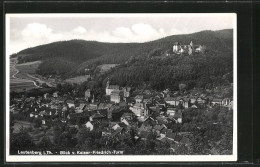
column 21, row 85
column 78, row 79
column 27, row 68
column 20, row 75
column 21, row 124
column 106, row 67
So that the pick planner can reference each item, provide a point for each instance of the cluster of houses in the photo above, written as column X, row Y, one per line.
column 156, row 126
column 106, row 117
column 143, row 104
column 189, row 49
column 150, row 112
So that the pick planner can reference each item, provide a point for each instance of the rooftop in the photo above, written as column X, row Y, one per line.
column 113, row 87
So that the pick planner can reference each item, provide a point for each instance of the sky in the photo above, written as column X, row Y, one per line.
column 29, row 30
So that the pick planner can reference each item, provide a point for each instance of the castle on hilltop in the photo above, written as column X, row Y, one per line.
column 189, row 49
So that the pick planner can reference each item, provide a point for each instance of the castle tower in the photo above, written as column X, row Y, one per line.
column 191, row 44
column 175, row 47
column 190, row 50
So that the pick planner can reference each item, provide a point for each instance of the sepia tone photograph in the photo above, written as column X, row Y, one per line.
column 121, row 87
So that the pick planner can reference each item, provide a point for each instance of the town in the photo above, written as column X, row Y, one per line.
column 123, row 110
column 183, row 121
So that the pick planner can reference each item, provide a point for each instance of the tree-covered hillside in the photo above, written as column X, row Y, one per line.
column 204, row 71
column 215, row 41
column 71, row 58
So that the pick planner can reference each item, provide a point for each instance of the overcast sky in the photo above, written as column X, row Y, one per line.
column 32, row 30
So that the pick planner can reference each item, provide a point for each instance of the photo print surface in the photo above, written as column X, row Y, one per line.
column 121, row 87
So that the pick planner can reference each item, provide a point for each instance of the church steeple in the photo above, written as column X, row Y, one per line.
column 107, row 83
column 93, row 100
column 191, row 44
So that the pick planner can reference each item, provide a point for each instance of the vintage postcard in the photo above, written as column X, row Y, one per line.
column 121, row 87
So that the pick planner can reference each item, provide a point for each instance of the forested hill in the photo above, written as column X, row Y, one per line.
column 68, row 58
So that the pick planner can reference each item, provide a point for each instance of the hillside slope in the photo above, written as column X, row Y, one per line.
column 69, row 58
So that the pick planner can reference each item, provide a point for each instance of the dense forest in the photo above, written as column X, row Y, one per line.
column 197, row 71
column 142, row 64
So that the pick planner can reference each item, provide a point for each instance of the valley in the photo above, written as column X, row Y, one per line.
column 172, row 96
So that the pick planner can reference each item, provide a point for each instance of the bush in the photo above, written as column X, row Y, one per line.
column 21, row 141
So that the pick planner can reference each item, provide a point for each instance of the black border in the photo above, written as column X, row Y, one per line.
column 256, row 72
column 244, row 59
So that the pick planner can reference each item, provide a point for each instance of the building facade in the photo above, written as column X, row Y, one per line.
column 110, row 88
column 115, row 96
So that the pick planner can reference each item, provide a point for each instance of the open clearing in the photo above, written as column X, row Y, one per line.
column 78, row 79
column 21, row 124
column 20, row 78
column 27, row 68
column 106, row 67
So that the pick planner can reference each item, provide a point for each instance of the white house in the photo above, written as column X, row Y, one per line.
column 226, row 101
column 170, row 100
column 89, row 125
column 176, row 47
column 124, row 121
column 216, row 102
column 115, row 126
column 171, row 111
column 55, row 94
column 70, row 103
column 230, row 105
column 115, row 96
column 198, row 50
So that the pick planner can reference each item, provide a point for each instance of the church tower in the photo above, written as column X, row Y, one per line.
column 107, row 83
column 93, row 100
column 191, row 44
